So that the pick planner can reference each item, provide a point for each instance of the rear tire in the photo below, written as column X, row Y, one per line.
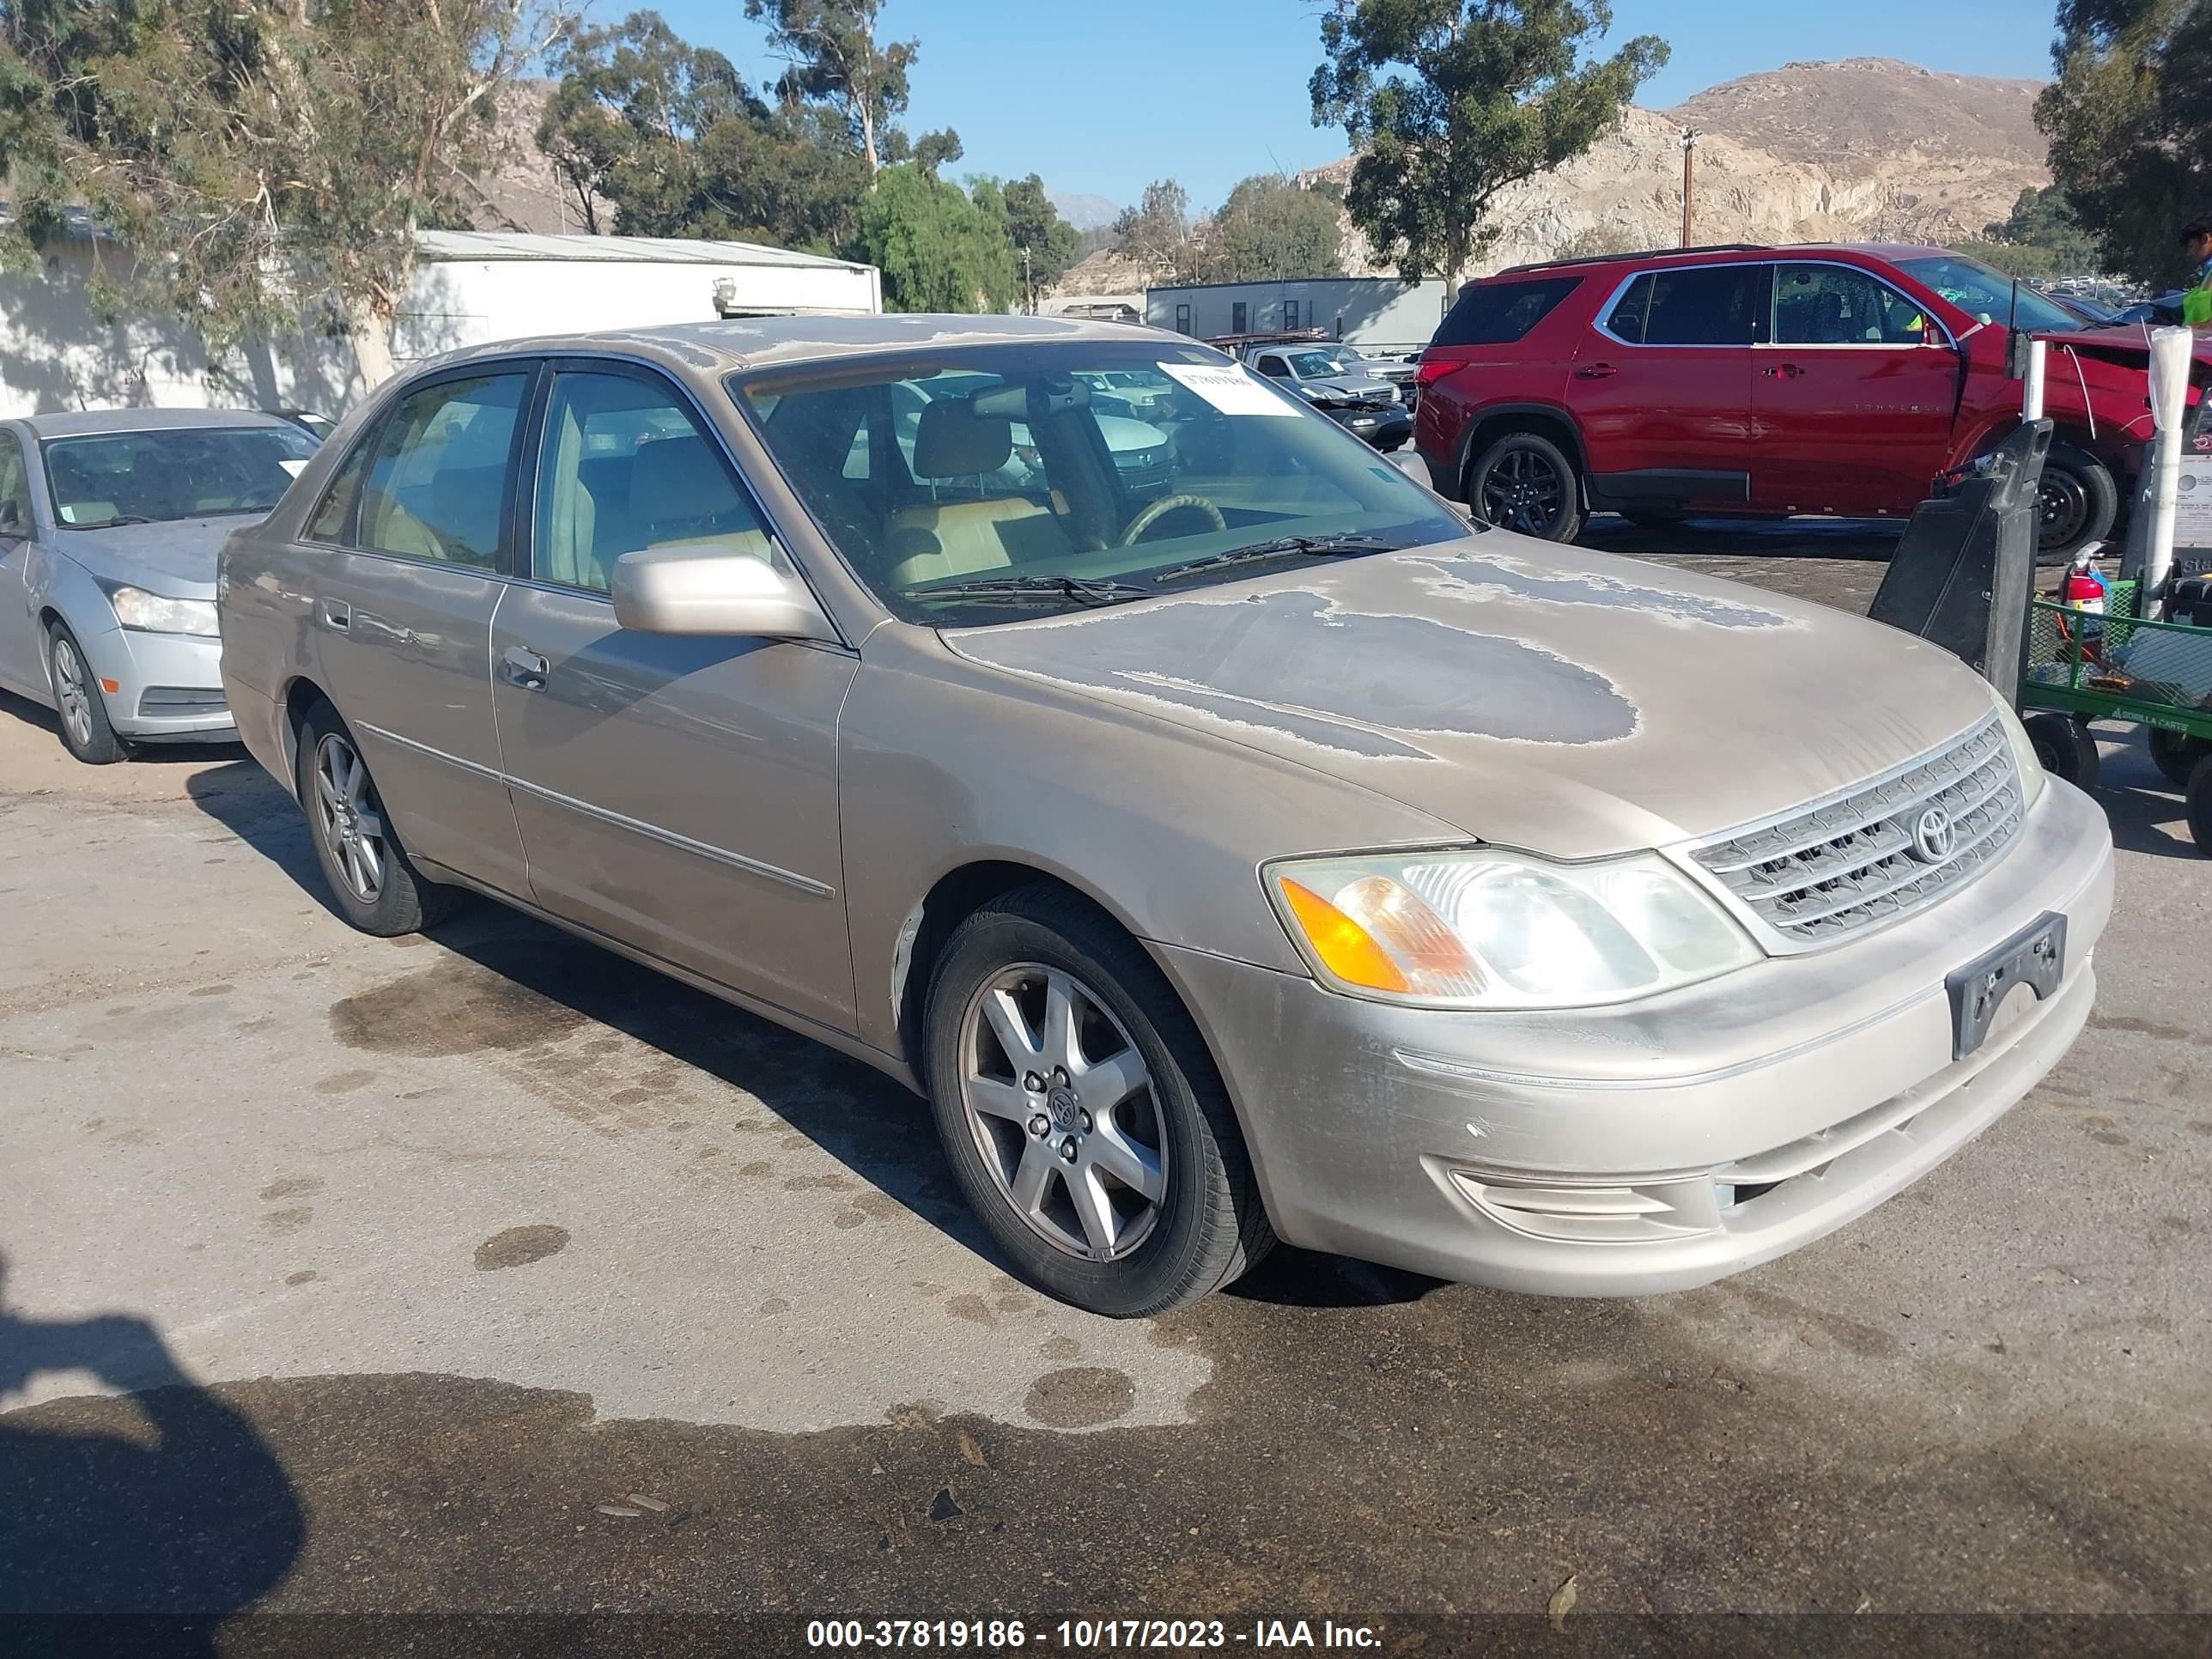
column 2075, row 503
column 2066, row 747
column 2199, row 799
column 1525, row 483
column 373, row 884
column 1014, row 1103
column 2176, row 754
column 79, row 704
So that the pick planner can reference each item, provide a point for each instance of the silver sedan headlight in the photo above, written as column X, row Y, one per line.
column 153, row 613
column 1475, row 929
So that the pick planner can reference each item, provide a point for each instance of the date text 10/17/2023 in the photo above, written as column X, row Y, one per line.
column 1088, row 1635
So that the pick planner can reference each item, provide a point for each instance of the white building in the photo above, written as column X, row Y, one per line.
column 469, row 288
column 1375, row 312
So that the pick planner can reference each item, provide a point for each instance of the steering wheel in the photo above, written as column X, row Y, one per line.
column 1167, row 504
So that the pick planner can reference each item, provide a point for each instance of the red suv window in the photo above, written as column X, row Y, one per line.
column 1692, row 305
column 1496, row 313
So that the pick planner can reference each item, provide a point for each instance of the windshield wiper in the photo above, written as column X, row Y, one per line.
column 1033, row 590
column 1319, row 547
column 109, row 524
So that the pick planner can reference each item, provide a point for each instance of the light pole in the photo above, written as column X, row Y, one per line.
column 1689, row 150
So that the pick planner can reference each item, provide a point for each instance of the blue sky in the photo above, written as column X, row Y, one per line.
column 1105, row 96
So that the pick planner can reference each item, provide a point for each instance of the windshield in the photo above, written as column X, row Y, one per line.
column 1986, row 294
column 1007, row 463
column 1307, row 364
column 183, row 472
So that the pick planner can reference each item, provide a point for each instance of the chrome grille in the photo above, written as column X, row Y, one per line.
column 1830, row 869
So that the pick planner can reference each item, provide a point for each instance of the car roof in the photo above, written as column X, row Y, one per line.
column 73, row 423
column 763, row 342
column 1724, row 253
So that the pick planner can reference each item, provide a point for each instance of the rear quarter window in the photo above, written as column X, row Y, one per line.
column 1498, row 313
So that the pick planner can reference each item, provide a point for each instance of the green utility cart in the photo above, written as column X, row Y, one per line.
column 2081, row 665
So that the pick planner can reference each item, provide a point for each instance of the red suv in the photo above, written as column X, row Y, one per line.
column 1763, row 380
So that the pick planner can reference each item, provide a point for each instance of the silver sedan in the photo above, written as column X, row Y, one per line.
column 109, row 526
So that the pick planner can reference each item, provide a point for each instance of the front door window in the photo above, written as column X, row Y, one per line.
column 626, row 468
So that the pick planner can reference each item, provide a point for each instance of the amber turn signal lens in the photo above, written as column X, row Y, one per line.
column 1344, row 948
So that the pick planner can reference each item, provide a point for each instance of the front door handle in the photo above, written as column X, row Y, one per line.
column 337, row 614
column 524, row 667
column 1595, row 371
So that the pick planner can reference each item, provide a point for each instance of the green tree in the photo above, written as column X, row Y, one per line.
column 672, row 137
column 1449, row 101
column 937, row 250
column 1157, row 232
column 624, row 122
column 1045, row 244
column 2129, row 121
column 247, row 155
column 832, row 57
column 1270, row 227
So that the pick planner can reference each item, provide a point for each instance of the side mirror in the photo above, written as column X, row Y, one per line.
column 11, row 519
column 689, row 590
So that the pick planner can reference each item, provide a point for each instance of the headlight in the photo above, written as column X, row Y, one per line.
column 2031, row 775
column 1483, row 929
column 150, row 613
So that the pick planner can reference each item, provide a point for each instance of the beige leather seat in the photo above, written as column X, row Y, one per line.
column 958, row 538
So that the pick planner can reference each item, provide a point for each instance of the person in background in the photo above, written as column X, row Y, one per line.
column 2196, row 300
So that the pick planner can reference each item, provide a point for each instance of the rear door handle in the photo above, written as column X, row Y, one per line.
column 1782, row 371
column 337, row 615
column 524, row 667
column 1595, row 371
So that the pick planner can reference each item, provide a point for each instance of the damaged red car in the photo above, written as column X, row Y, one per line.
column 1840, row 380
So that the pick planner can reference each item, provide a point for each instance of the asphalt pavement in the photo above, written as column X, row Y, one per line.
column 486, row 1293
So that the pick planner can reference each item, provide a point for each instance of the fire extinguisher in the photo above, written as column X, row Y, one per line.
column 2084, row 588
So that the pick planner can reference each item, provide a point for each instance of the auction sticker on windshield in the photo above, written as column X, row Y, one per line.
column 1228, row 388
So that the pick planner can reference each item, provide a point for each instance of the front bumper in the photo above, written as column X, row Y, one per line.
column 169, row 686
column 1663, row 1144
column 1386, row 429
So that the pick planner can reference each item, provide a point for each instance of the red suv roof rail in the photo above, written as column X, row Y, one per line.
column 1646, row 253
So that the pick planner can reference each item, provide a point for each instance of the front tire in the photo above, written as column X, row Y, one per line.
column 2076, row 502
column 372, row 882
column 1525, row 483
column 1082, row 1114
column 2065, row 746
column 78, row 701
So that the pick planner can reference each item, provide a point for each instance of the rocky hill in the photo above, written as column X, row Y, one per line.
column 1868, row 148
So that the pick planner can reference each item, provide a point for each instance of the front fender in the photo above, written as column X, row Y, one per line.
column 944, row 763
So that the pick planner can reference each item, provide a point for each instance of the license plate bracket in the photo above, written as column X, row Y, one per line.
column 2035, row 957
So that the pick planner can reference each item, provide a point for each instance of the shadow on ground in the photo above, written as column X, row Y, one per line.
column 173, row 1506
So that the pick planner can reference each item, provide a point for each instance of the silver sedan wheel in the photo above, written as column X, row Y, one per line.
column 73, row 690
column 1062, row 1108
column 346, row 813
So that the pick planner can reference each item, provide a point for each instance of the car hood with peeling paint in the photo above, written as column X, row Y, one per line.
column 1552, row 699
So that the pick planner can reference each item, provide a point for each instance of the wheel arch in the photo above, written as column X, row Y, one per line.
column 300, row 696
column 958, row 894
column 1497, row 421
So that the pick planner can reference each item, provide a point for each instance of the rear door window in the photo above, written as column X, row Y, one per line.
column 1696, row 304
column 438, row 477
column 1498, row 314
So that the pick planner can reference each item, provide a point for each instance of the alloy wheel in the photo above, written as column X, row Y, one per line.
column 1061, row 1104
column 73, row 691
column 1523, row 491
column 349, row 815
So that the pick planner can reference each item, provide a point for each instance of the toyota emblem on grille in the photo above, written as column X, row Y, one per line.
column 1933, row 836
